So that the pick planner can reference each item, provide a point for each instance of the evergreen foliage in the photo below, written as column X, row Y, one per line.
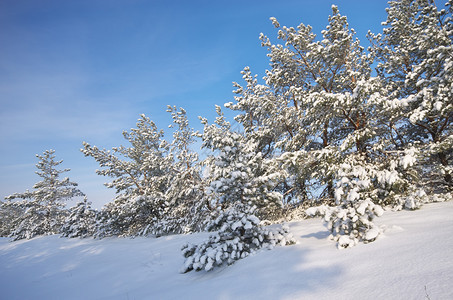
column 10, row 213
column 321, row 131
column 238, row 235
column 415, row 56
column 80, row 221
column 350, row 223
column 344, row 137
column 158, row 183
column 140, row 177
column 239, row 171
column 42, row 211
column 188, row 209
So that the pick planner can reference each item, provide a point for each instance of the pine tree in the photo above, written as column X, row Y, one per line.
column 138, row 169
column 10, row 213
column 187, row 207
column 319, row 97
column 416, row 60
column 43, row 208
column 80, row 221
column 238, row 234
column 158, row 183
column 140, row 177
column 238, row 172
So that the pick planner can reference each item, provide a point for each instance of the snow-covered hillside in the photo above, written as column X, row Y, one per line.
column 413, row 259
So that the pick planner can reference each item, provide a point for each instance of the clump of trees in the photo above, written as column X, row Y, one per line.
column 345, row 130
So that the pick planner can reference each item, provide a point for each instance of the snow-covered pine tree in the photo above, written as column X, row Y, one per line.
column 351, row 222
column 415, row 54
column 318, row 94
column 10, row 213
column 140, row 177
column 80, row 221
column 237, row 171
column 187, row 208
column 363, row 189
column 238, row 234
column 158, row 183
column 43, row 208
column 274, row 126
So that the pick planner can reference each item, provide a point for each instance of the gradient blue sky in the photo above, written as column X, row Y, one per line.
column 73, row 71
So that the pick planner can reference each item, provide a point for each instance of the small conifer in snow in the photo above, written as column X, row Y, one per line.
column 81, row 221
column 43, row 208
column 351, row 224
column 239, row 235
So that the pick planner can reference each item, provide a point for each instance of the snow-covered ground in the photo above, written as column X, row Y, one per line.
column 412, row 260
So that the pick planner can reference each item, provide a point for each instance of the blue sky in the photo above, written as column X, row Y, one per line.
column 73, row 71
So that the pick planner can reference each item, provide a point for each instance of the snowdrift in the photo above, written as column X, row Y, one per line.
column 413, row 259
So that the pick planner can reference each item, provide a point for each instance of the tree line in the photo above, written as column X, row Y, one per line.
column 333, row 129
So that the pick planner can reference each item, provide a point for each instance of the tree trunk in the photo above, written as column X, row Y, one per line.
column 443, row 160
column 325, row 143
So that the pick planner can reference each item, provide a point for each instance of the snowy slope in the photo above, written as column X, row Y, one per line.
column 416, row 251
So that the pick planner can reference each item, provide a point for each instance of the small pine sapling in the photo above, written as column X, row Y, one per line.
column 352, row 223
column 43, row 208
column 238, row 235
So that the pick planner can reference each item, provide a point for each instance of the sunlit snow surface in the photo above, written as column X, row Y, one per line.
column 413, row 259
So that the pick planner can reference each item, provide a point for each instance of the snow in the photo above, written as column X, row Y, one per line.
column 411, row 259
column 409, row 158
column 372, row 233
